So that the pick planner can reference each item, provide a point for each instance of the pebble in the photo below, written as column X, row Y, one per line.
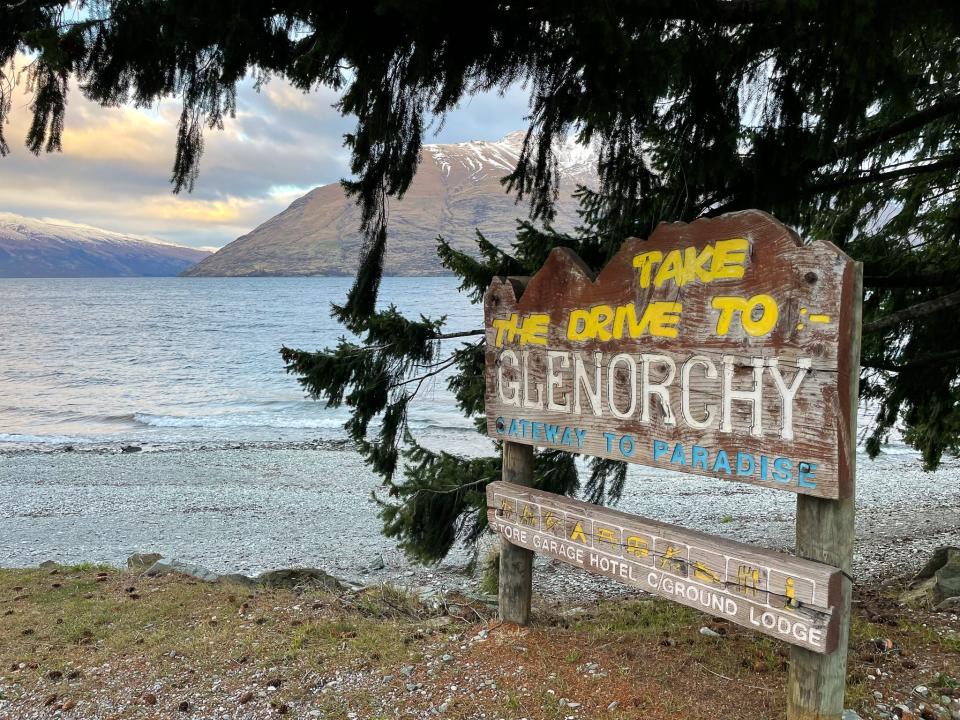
column 708, row 632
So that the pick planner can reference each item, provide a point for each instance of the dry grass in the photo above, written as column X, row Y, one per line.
column 91, row 642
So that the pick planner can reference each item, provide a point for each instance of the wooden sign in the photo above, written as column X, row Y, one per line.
column 723, row 347
column 767, row 591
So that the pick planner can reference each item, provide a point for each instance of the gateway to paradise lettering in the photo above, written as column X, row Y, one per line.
column 719, row 348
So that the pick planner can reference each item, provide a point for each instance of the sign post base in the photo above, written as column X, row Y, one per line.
column 516, row 563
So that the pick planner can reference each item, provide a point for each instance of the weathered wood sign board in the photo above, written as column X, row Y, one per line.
column 773, row 593
column 720, row 347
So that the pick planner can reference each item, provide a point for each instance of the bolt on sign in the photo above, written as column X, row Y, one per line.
column 720, row 347
column 773, row 593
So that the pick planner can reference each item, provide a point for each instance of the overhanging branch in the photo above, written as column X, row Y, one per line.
column 869, row 139
column 921, row 362
column 833, row 184
column 913, row 312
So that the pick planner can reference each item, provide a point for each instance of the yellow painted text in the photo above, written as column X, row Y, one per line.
column 721, row 260
column 603, row 322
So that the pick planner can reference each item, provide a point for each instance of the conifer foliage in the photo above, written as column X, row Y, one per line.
column 840, row 118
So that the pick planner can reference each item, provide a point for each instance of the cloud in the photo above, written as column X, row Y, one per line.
column 116, row 162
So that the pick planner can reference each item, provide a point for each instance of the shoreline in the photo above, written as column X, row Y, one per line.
column 251, row 507
column 116, row 447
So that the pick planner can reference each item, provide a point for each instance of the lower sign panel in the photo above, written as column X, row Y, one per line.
column 770, row 592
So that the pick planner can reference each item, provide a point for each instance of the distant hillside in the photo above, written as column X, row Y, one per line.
column 455, row 191
column 50, row 248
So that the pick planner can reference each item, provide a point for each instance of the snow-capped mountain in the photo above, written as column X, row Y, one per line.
column 30, row 247
column 455, row 192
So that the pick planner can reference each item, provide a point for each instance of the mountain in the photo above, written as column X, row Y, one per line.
column 54, row 248
column 455, row 191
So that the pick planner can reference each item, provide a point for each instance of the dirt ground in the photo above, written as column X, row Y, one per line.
column 91, row 642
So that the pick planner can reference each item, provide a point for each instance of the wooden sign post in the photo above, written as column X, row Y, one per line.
column 725, row 348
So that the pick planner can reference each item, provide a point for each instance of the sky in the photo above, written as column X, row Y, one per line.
column 115, row 167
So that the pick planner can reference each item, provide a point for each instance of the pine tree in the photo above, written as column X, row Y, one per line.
column 841, row 118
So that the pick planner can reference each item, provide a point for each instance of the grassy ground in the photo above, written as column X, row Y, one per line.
column 90, row 642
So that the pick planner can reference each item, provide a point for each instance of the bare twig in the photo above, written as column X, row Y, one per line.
column 724, row 677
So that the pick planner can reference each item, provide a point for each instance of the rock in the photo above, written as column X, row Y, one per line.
column 951, row 604
column 130, row 449
column 69, row 705
column 938, row 712
column 937, row 581
column 299, row 577
column 922, row 690
column 708, row 632
column 163, row 567
column 46, row 564
column 850, row 715
column 138, row 562
column 240, row 579
column 377, row 563
column 613, row 706
column 245, row 697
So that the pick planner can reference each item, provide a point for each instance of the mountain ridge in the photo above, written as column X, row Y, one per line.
column 455, row 191
column 35, row 247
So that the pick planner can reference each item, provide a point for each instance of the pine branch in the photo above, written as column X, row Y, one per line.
column 911, row 280
column 914, row 312
column 872, row 138
column 924, row 361
column 833, row 184
column 463, row 333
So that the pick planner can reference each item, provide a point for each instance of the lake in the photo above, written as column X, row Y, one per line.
column 191, row 360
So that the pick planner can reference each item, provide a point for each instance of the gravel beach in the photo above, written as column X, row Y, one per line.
column 255, row 508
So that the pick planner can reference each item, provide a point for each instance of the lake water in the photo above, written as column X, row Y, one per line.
column 177, row 360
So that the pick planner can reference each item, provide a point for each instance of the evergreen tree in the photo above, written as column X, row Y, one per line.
column 840, row 117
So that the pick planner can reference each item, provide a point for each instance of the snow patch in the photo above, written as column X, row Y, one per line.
column 478, row 158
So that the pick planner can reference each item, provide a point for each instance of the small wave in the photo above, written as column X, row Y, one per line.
column 899, row 450
column 441, row 427
column 41, row 439
column 246, row 420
